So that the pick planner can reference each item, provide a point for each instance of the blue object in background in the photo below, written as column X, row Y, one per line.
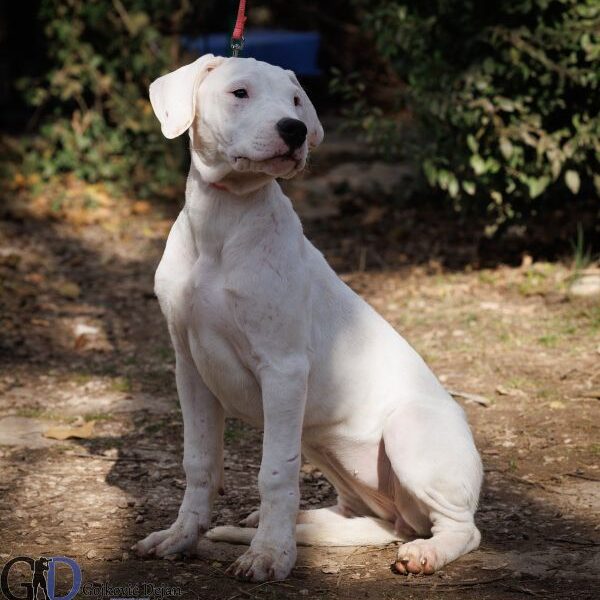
column 296, row 50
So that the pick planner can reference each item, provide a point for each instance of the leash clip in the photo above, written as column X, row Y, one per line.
column 237, row 37
column 236, row 45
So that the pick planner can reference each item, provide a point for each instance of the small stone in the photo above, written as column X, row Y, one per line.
column 586, row 284
column 330, row 569
column 557, row 405
column 139, row 519
column 91, row 554
column 68, row 289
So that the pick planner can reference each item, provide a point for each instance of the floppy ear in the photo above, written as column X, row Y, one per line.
column 173, row 96
column 315, row 129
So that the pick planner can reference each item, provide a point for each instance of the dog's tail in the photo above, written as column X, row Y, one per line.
column 357, row 531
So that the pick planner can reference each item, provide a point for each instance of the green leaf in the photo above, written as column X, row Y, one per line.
column 537, row 185
column 430, row 172
column 496, row 197
column 469, row 187
column 477, row 164
column 572, row 180
column 453, row 187
column 472, row 144
column 506, row 147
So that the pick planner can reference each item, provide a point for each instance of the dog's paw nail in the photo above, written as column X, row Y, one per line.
column 405, row 560
column 423, row 561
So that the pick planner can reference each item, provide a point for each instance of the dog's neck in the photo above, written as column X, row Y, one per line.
column 215, row 213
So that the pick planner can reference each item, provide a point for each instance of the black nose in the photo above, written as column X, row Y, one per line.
column 292, row 132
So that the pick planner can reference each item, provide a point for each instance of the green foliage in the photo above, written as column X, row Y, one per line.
column 582, row 252
column 506, row 94
column 93, row 117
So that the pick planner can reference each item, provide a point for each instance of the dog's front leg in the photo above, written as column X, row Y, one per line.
column 272, row 553
column 203, row 421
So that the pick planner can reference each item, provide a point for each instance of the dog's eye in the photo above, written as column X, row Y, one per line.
column 241, row 93
column 296, row 101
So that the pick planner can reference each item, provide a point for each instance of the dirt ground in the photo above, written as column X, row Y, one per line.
column 82, row 341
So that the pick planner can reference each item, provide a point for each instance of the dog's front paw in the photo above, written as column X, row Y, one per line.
column 261, row 564
column 181, row 537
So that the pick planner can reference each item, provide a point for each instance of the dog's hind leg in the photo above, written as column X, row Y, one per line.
column 251, row 520
column 320, row 527
column 315, row 515
column 439, row 476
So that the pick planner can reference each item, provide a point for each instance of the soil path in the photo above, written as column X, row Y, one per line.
column 82, row 340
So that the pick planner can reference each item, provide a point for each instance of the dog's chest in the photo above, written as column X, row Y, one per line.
column 206, row 314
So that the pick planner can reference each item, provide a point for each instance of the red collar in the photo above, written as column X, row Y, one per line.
column 219, row 186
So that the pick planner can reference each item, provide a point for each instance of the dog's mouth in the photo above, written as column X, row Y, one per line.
column 288, row 156
column 278, row 165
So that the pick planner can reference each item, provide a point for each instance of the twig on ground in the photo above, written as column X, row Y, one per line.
column 471, row 398
column 583, row 476
column 442, row 586
column 110, row 458
column 587, row 543
column 533, row 483
column 248, row 593
column 520, row 589
column 344, row 564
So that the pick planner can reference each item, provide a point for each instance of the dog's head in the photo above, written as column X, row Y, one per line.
column 244, row 116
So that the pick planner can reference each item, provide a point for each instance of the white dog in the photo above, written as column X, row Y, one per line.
column 265, row 331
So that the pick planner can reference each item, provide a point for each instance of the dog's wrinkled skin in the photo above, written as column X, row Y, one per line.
column 265, row 331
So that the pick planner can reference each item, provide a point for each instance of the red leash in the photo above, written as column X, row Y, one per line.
column 237, row 37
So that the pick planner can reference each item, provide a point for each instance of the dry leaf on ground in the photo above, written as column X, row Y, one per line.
column 63, row 432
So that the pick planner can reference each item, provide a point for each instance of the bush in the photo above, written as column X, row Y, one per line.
column 505, row 95
column 93, row 115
